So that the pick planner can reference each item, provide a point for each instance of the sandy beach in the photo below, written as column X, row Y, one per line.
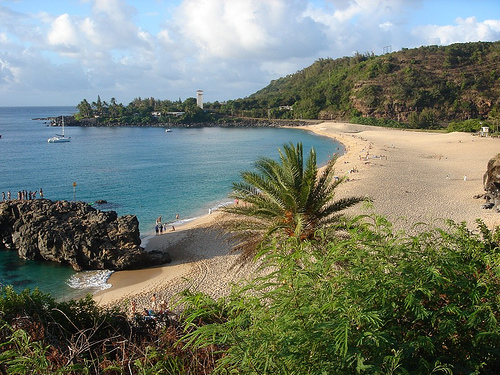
column 410, row 176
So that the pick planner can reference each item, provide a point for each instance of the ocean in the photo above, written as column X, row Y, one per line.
column 143, row 171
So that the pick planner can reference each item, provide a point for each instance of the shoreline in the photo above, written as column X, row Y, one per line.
column 411, row 177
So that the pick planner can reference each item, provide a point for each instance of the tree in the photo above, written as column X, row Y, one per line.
column 99, row 106
column 289, row 198
column 84, row 109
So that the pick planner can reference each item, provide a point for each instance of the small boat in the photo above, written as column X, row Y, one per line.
column 59, row 138
column 168, row 130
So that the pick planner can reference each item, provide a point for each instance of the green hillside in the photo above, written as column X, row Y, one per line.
column 430, row 86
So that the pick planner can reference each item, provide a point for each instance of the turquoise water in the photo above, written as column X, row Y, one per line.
column 142, row 171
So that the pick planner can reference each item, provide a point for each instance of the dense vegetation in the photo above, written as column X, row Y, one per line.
column 374, row 302
column 426, row 88
column 422, row 87
column 147, row 111
column 370, row 302
column 39, row 335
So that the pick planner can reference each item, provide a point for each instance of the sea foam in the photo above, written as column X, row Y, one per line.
column 91, row 280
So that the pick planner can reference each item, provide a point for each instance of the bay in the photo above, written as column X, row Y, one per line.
column 143, row 171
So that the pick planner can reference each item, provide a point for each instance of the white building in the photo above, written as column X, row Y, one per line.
column 485, row 131
column 199, row 98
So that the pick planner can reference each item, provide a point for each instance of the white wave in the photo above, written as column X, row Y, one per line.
column 221, row 205
column 95, row 280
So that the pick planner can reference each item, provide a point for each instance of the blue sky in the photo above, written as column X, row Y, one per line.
column 59, row 52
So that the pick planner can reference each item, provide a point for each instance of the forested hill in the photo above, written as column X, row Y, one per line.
column 430, row 84
column 430, row 87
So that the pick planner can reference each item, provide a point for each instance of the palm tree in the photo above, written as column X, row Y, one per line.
column 286, row 198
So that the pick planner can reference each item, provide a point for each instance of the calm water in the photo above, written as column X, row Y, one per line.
column 141, row 171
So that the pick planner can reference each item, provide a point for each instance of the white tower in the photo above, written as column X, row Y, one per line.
column 199, row 98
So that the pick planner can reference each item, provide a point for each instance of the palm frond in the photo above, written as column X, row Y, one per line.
column 285, row 198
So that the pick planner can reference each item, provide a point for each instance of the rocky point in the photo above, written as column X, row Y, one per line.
column 74, row 233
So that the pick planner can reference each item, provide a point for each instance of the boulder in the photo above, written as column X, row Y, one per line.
column 74, row 233
column 491, row 184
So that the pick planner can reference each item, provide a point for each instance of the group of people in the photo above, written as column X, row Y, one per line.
column 162, row 227
column 22, row 195
column 157, row 308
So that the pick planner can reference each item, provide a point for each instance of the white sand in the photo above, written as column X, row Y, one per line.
column 416, row 176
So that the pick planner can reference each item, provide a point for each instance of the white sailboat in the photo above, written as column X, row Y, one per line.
column 59, row 138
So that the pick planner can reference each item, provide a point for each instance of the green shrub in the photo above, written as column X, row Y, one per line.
column 357, row 119
column 467, row 126
column 372, row 302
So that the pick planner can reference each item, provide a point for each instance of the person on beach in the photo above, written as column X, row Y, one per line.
column 148, row 314
column 161, row 229
column 162, row 307
column 173, row 228
column 41, row 193
column 3, row 195
column 8, row 195
column 177, row 217
column 157, row 229
column 153, row 302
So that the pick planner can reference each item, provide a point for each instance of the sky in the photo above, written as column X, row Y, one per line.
column 59, row 52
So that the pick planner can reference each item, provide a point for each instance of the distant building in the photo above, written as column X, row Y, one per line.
column 485, row 131
column 199, row 98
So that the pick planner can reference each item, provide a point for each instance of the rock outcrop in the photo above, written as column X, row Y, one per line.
column 491, row 183
column 74, row 233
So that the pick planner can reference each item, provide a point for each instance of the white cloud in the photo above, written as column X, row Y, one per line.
column 465, row 30
column 241, row 29
column 109, row 27
column 63, row 32
column 228, row 48
column 386, row 26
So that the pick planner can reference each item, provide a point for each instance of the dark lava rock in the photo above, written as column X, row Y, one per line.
column 74, row 233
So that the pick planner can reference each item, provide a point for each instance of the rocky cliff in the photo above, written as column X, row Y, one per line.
column 491, row 183
column 74, row 233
